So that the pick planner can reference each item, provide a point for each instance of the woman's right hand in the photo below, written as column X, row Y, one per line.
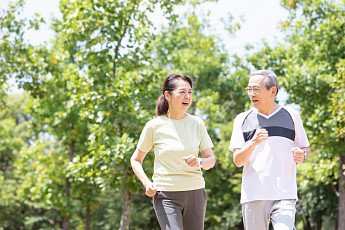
column 150, row 189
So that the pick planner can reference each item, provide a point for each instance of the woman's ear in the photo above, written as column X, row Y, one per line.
column 167, row 95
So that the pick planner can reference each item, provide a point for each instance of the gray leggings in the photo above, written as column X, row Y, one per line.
column 181, row 210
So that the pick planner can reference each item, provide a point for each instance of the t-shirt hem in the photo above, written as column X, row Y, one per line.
column 280, row 198
column 207, row 147
column 233, row 148
column 179, row 189
column 143, row 150
column 185, row 186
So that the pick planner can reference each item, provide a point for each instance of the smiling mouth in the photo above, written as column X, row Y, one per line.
column 185, row 103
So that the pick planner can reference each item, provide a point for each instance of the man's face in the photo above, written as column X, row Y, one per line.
column 259, row 95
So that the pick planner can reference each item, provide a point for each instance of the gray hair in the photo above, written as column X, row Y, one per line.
column 270, row 80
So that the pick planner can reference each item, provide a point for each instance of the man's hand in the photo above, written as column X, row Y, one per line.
column 241, row 156
column 298, row 154
column 260, row 136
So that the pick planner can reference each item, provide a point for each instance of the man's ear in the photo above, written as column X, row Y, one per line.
column 167, row 95
column 274, row 91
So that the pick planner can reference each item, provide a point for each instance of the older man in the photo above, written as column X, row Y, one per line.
column 268, row 140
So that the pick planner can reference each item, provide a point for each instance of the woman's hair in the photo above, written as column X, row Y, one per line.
column 162, row 105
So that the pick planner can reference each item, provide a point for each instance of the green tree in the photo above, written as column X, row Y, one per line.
column 107, row 41
column 337, row 109
column 83, row 88
column 14, row 50
column 113, row 50
column 338, row 100
column 14, row 123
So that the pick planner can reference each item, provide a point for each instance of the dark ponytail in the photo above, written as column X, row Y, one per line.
column 162, row 105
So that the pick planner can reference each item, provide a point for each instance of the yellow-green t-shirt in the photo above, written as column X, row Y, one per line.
column 172, row 140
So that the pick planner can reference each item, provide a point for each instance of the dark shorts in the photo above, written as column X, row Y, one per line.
column 181, row 210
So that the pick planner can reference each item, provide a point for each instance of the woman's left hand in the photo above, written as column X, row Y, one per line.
column 191, row 160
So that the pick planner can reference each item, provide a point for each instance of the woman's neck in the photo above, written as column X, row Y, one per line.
column 175, row 115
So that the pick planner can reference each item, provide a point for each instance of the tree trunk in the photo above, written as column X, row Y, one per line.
column 68, row 184
column 306, row 223
column 67, row 194
column 88, row 218
column 240, row 226
column 126, row 209
column 319, row 223
column 341, row 202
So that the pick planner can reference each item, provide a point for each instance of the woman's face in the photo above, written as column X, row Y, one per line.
column 180, row 98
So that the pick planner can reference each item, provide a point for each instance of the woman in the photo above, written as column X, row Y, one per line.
column 178, row 187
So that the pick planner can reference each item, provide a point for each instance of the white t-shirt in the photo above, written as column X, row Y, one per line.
column 172, row 140
column 270, row 174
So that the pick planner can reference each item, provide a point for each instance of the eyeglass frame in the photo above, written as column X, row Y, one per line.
column 255, row 90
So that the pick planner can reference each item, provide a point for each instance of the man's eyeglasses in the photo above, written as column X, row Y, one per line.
column 254, row 90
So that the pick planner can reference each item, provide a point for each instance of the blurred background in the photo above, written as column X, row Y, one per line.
column 79, row 80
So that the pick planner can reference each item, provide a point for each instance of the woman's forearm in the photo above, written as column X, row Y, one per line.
column 208, row 162
column 136, row 163
column 139, row 172
column 208, row 159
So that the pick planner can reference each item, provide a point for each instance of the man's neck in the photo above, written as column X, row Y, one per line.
column 267, row 111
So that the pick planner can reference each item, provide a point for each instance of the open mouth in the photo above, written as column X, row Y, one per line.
column 185, row 103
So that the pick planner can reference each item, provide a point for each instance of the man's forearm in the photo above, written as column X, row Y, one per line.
column 242, row 156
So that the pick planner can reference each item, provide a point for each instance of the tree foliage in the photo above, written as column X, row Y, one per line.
column 66, row 142
column 338, row 100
